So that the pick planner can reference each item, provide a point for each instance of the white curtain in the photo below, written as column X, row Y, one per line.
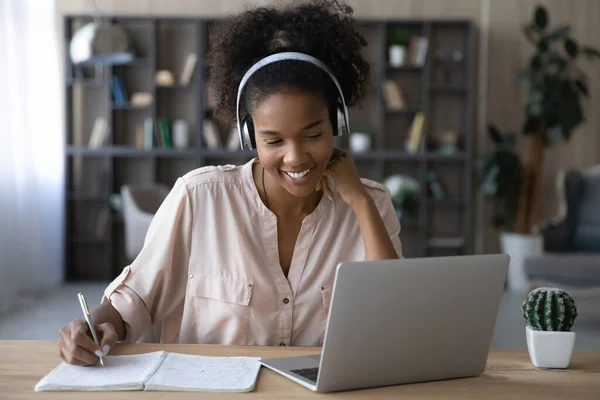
column 31, row 151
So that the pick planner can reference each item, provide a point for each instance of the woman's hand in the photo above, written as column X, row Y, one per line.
column 78, row 348
column 345, row 176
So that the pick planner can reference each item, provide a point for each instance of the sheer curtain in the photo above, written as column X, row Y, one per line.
column 31, row 148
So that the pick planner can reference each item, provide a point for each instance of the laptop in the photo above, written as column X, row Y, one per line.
column 403, row 321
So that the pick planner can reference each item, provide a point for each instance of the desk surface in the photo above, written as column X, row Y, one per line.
column 509, row 374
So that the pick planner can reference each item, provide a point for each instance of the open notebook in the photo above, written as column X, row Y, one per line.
column 157, row 371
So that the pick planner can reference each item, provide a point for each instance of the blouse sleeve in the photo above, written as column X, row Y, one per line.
column 390, row 219
column 153, row 285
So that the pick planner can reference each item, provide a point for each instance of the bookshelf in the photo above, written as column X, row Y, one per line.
column 442, row 88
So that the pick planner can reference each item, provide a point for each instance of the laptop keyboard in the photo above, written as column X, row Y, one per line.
column 308, row 373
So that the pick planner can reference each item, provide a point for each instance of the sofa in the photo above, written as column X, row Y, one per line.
column 571, row 256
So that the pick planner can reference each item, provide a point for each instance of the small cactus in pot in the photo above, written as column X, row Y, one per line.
column 549, row 315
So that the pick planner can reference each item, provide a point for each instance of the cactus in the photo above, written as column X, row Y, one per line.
column 549, row 309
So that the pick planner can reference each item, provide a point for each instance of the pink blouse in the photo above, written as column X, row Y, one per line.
column 209, row 269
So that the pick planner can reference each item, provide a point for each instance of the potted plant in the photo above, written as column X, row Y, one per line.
column 404, row 192
column 556, row 89
column 361, row 139
column 398, row 44
column 549, row 315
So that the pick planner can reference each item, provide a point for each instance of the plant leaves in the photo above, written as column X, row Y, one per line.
column 571, row 47
column 495, row 134
column 590, row 52
column 558, row 33
column 528, row 30
column 530, row 125
column 543, row 45
column 541, row 17
column 582, row 87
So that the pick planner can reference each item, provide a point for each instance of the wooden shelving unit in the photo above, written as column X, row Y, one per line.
column 443, row 90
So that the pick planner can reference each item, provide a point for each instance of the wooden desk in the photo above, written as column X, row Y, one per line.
column 509, row 375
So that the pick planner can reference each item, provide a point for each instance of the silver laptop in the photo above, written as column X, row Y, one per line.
column 403, row 321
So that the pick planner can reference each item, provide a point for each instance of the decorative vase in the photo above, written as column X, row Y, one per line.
column 181, row 134
column 360, row 142
column 397, row 55
column 518, row 247
column 550, row 349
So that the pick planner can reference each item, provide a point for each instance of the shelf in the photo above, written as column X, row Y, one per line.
column 88, row 83
column 129, row 151
column 447, row 88
column 128, row 107
column 446, row 242
column 445, row 203
column 86, row 197
column 437, row 157
column 138, row 62
column 404, row 111
column 88, row 241
column 175, row 86
column 228, row 153
column 405, row 68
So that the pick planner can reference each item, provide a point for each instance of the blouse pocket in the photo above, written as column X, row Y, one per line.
column 326, row 291
column 221, row 308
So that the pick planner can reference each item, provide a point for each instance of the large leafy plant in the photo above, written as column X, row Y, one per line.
column 556, row 88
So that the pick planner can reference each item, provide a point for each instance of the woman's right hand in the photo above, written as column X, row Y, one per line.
column 77, row 347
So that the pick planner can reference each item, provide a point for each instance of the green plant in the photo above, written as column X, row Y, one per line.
column 549, row 309
column 398, row 38
column 556, row 89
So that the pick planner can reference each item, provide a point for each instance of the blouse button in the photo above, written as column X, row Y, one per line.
column 191, row 276
column 286, row 300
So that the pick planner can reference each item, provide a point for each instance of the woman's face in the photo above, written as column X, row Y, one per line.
column 294, row 139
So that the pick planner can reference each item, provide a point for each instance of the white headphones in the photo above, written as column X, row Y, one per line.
column 245, row 125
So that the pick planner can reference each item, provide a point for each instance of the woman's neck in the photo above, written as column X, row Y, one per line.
column 283, row 204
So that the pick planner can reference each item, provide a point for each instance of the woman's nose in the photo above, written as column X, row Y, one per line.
column 295, row 155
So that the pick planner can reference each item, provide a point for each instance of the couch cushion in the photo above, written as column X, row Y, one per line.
column 586, row 236
column 569, row 269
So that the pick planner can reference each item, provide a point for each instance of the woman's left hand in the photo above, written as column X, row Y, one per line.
column 346, row 179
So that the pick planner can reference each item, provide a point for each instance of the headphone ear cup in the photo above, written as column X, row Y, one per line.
column 341, row 122
column 248, row 133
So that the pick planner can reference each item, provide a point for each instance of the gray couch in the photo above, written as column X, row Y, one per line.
column 571, row 257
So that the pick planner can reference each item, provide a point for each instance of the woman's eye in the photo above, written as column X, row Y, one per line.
column 313, row 136
column 271, row 142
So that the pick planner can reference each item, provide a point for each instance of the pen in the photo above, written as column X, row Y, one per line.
column 88, row 319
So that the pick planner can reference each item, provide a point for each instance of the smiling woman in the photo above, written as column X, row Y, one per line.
column 247, row 254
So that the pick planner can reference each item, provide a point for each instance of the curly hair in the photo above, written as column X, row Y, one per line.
column 324, row 29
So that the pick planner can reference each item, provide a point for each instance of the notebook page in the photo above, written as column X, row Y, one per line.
column 183, row 372
column 128, row 372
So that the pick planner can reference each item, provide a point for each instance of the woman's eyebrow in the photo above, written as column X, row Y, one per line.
column 271, row 132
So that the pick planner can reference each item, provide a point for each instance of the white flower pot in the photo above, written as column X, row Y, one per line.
column 550, row 349
column 397, row 55
column 519, row 247
column 360, row 142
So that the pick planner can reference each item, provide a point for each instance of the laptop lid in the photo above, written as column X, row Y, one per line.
column 410, row 320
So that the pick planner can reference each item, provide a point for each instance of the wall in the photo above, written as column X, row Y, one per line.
column 499, row 23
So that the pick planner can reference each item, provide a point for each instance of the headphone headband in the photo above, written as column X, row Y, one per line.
column 288, row 55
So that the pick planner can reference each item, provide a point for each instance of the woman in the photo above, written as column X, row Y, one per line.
column 246, row 255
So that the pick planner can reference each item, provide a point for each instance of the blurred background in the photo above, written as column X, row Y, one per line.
column 482, row 119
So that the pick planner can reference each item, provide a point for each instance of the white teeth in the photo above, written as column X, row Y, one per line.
column 298, row 175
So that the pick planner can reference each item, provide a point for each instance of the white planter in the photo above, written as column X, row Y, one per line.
column 360, row 142
column 550, row 349
column 519, row 247
column 397, row 55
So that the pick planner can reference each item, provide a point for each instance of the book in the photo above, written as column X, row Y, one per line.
column 415, row 134
column 393, row 95
column 158, row 371
column 118, row 91
column 188, row 68
column 163, row 127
